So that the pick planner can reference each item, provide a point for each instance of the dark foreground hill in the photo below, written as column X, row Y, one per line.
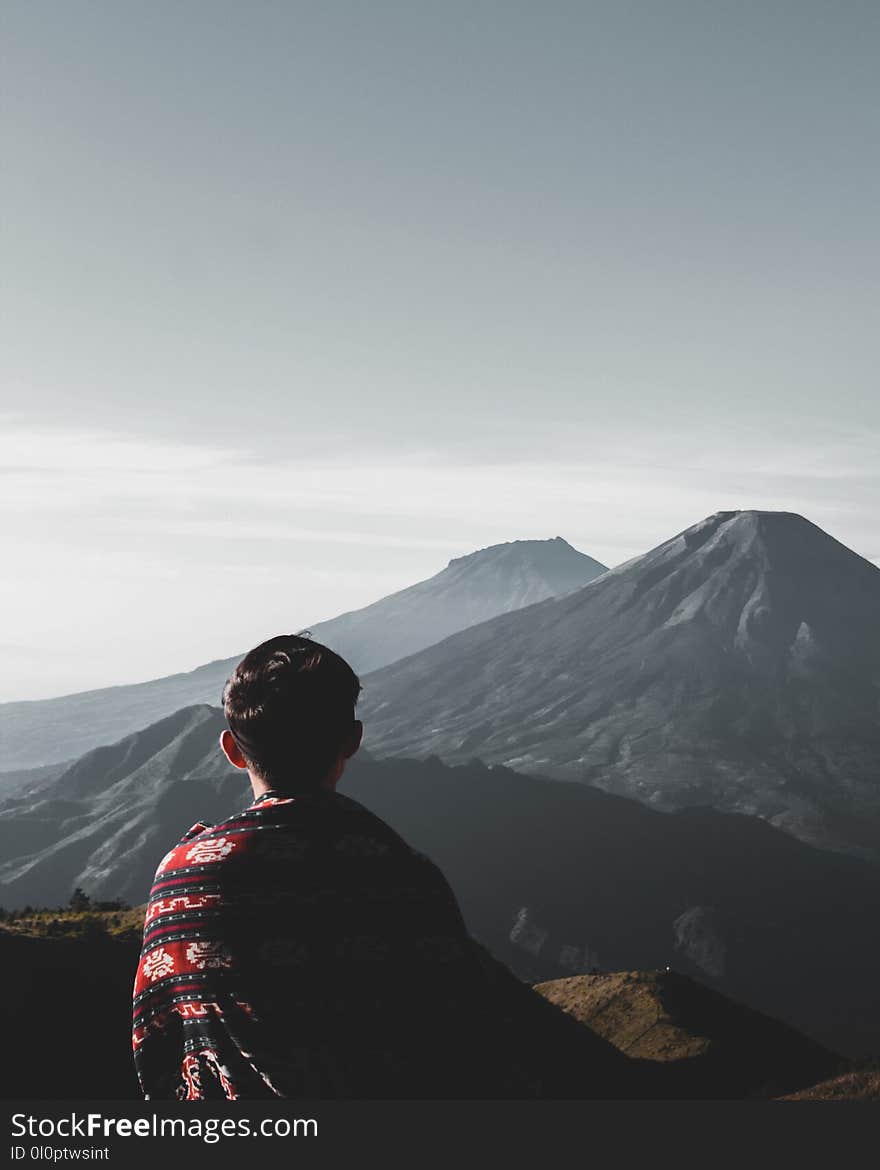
column 554, row 878
column 737, row 666
column 469, row 590
column 861, row 1085
column 65, row 1015
column 65, row 1018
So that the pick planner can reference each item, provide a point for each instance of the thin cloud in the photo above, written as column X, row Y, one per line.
column 169, row 553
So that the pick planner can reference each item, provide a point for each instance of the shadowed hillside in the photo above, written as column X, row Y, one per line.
column 557, row 879
column 108, row 819
column 554, row 878
column 66, row 1016
column 705, row 1046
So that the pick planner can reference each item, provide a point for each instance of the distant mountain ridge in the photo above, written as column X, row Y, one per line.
column 470, row 589
column 736, row 665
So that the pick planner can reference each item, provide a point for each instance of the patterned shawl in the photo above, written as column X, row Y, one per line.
column 302, row 949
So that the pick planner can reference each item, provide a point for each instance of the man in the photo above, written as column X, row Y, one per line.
column 301, row 948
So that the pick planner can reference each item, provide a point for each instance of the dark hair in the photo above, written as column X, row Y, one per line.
column 289, row 705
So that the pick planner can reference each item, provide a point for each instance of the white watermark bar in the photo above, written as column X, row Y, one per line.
column 209, row 1129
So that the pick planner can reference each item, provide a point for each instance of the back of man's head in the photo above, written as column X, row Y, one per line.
column 290, row 706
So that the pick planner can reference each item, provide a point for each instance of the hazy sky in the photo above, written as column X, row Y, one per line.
column 299, row 300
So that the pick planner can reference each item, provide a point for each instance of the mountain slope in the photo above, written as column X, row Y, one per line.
column 554, row 878
column 862, row 1085
column 736, row 665
column 470, row 589
column 715, row 1047
column 105, row 822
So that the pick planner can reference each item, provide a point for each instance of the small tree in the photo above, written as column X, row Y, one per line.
column 79, row 900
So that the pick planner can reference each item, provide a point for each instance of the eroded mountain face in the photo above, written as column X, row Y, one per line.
column 737, row 665
column 699, row 938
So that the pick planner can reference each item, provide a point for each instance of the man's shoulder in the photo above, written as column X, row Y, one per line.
column 210, row 844
column 278, row 828
column 341, row 823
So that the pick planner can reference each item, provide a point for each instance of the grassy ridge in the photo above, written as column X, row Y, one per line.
column 119, row 922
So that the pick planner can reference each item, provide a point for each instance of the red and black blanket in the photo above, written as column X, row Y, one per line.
column 302, row 948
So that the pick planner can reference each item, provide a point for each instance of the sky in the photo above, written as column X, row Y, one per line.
column 300, row 300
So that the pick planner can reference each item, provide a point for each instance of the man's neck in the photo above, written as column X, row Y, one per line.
column 261, row 786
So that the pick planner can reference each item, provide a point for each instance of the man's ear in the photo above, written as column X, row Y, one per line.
column 354, row 739
column 231, row 750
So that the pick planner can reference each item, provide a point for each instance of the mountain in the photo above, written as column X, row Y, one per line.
column 469, row 590
column 556, row 879
column 709, row 1045
column 737, row 665
column 106, row 820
